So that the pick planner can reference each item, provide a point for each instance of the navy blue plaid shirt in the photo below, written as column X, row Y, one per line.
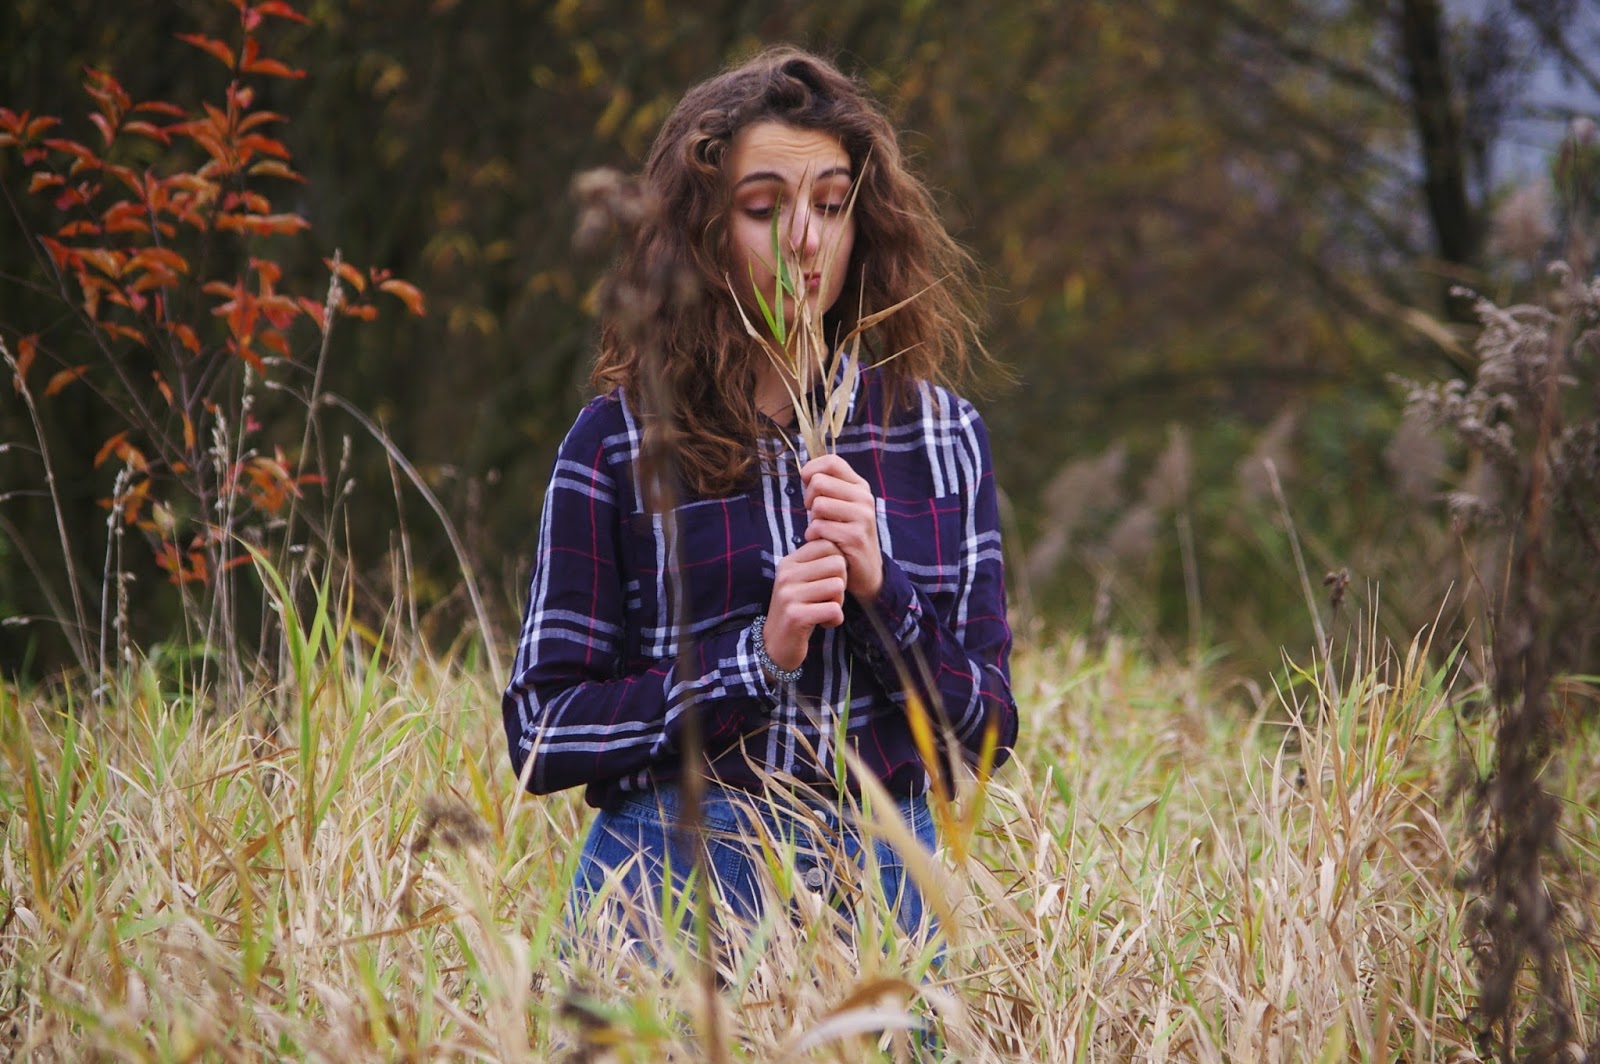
column 618, row 645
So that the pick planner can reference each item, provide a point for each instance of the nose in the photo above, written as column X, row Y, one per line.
column 805, row 237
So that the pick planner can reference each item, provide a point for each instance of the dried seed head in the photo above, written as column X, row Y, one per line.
column 1523, row 227
column 453, row 822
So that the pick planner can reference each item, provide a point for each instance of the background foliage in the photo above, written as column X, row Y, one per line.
column 1213, row 230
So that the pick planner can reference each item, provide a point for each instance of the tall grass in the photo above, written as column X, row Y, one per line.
column 342, row 870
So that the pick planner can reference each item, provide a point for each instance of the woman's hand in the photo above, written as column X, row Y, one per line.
column 844, row 513
column 807, row 592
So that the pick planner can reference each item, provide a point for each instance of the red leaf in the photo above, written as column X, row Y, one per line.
column 43, row 180
column 278, row 9
column 407, row 293
column 78, row 151
column 314, row 311
column 64, row 378
column 76, row 229
column 104, row 126
column 36, row 128
column 160, row 108
column 249, row 122
column 211, row 46
column 264, row 145
column 146, row 129
column 64, row 257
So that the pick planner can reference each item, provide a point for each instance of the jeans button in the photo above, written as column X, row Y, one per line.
column 814, row 877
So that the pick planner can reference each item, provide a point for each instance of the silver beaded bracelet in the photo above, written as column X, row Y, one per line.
column 758, row 642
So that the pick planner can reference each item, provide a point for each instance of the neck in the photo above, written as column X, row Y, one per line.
column 772, row 394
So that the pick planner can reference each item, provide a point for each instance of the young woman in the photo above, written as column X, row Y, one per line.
column 695, row 562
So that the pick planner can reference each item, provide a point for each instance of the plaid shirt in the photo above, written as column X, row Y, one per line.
column 618, row 645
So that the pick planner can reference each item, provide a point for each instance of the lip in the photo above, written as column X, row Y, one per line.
column 813, row 281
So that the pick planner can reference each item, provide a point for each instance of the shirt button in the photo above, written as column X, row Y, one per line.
column 791, row 491
column 799, row 540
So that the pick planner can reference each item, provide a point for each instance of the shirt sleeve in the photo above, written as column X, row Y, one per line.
column 956, row 656
column 571, row 706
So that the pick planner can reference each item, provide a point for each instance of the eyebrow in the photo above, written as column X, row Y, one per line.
column 773, row 175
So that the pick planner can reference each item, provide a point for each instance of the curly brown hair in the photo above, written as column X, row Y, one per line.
column 690, row 369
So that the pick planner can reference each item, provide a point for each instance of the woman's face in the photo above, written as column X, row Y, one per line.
column 803, row 176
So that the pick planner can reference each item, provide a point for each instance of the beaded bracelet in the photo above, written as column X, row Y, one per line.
column 758, row 643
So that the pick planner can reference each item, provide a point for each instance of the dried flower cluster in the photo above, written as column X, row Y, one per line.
column 1530, row 421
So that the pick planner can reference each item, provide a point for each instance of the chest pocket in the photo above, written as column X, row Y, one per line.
column 927, row 539
column 720, row 571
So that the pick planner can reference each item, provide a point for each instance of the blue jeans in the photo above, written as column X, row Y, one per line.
column 642, row 844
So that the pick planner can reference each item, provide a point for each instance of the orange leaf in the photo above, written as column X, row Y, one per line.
column 273, row 69
column 349, row 274
column 109, row 447
column 126, row 217
column 150, row 258
column 275, row 340
column 163, row 387
column 109, row 263
column 187, row 338
column 407, row 293
column 364, row 311
column 274, row 168
column 246, row 352
column 27, row 351
column 64, row 378
column 42, row 180
column 269, row 272
column 188, row 433
column 211, row 46
column 123, row 331
column 280, row 310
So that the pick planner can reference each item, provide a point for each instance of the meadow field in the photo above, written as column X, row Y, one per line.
column 340, row 868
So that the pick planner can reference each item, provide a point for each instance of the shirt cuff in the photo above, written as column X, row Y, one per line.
column 742, row 671
column 887, row 628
